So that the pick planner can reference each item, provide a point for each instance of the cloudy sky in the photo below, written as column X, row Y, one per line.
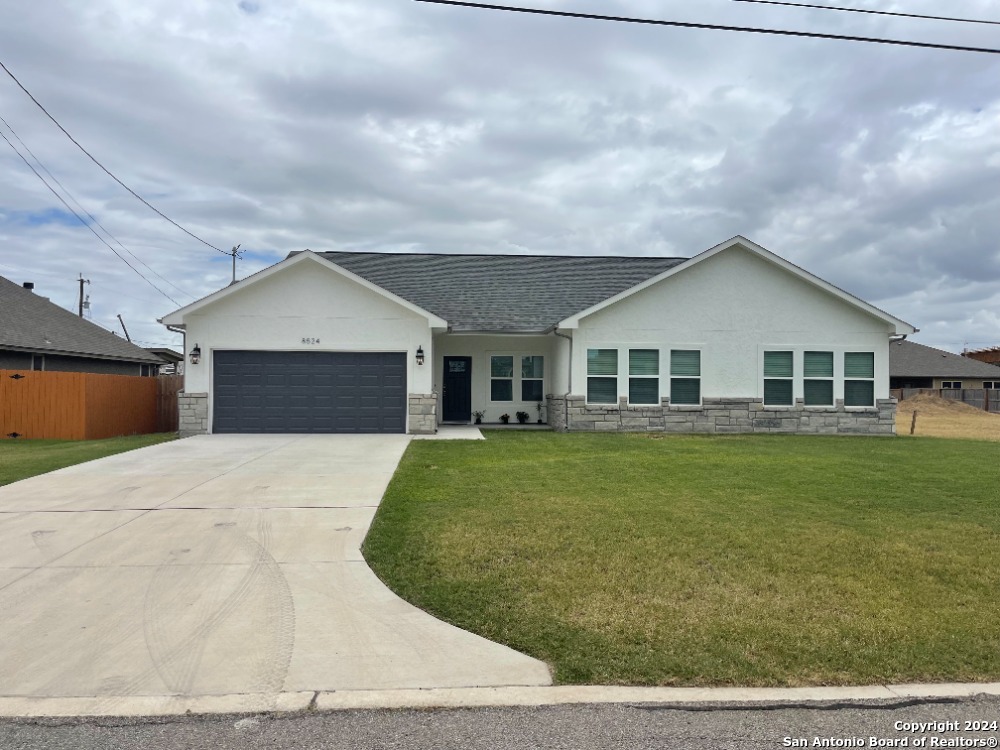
column 403, row 126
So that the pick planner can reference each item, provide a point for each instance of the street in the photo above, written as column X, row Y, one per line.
column 585, row 727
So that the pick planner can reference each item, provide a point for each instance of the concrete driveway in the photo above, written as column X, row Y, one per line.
column 218, row 565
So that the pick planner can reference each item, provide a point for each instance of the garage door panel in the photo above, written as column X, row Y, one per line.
column 288, row 392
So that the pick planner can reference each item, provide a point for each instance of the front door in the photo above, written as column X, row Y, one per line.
column 456, row 397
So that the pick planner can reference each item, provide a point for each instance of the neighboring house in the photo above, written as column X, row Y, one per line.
column 990, row 355
column 913, row 365
column 735, row 339
column 36, row 334
column 172, row 362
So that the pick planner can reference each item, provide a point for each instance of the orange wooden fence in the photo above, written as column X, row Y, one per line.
column 84, row 405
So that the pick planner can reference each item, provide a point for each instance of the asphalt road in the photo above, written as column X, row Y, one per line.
column 565, row 727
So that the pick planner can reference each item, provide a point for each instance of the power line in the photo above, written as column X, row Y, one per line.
column 106, row 170
column 90, row 215
column 84, row 221
column 871, row 12
column 715, row 27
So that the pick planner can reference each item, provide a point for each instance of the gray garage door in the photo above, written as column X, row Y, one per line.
column 309, row 392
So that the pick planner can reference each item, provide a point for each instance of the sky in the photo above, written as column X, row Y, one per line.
column 400, row 126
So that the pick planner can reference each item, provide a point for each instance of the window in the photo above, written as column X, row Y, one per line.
column 37, row 361
column 685, row 376
column 502, row 378
column 818, row 383
column 953, row 384
column 532, row 371
column 991, row 385
column 859, row 379
column 644, row 376
column 778, row 379
column 602, row 376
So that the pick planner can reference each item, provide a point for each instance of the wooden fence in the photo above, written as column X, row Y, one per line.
column 981, row 398
column 167, row 388
column 84, row 405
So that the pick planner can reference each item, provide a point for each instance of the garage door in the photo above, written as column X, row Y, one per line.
column 309, row 392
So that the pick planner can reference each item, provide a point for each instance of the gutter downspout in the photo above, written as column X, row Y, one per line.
column 569, row 379
column 182, row 332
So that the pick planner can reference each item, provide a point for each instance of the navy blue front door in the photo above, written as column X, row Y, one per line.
column 456, row 399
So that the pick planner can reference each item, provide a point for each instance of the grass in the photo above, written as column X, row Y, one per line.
column 706, row 560
column 20, row 459
column 940, row 417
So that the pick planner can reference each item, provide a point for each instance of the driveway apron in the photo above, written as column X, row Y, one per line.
column 219, row 565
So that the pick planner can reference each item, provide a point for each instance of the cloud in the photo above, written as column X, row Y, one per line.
column 407, row 126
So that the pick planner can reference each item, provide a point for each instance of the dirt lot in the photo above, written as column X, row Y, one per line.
column 938, row 417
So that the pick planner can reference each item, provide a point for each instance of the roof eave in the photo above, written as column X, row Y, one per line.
column 501, row 331
column 153, row 360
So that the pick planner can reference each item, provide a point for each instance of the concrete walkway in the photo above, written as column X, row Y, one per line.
column 218, row 566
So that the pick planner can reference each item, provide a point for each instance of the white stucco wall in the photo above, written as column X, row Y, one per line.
column 307, row 301
column 732, row 307
column 481, row 348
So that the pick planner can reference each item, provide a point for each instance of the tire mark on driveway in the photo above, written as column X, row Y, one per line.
column 177, row 648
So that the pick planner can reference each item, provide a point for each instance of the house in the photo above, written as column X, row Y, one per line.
column 36, row 334
column 735, row 339
column 913, row 365
column 171, row 362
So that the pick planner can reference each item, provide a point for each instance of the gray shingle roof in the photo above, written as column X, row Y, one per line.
column 29, row 322
column 502, row 292
column 910, row 359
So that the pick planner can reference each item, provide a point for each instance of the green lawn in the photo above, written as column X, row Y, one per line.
column 20, row 459
column 698, row 560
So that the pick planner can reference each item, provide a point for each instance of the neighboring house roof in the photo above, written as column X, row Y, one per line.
column 166, row 354
column 31, row 323
column 515, row 293
column 990, row 354
column 908, row 359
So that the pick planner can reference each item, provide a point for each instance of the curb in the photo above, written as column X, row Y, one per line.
column 472, row 697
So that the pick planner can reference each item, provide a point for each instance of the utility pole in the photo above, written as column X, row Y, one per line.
column 235, row 253
column 127, row 337
column 82, row 282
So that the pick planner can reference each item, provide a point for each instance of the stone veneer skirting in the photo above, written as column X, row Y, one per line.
column 423, row 413
column 721, row 415
column 192, row 418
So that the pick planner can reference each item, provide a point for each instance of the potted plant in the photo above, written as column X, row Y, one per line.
column 522, row 417
column 479, row 416
column 505, row 418
column 539, row 407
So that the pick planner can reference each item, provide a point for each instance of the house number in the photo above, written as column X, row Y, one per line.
column 309, row 340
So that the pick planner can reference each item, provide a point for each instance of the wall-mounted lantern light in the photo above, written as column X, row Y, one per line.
column 195, row 355
column 420, row 355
